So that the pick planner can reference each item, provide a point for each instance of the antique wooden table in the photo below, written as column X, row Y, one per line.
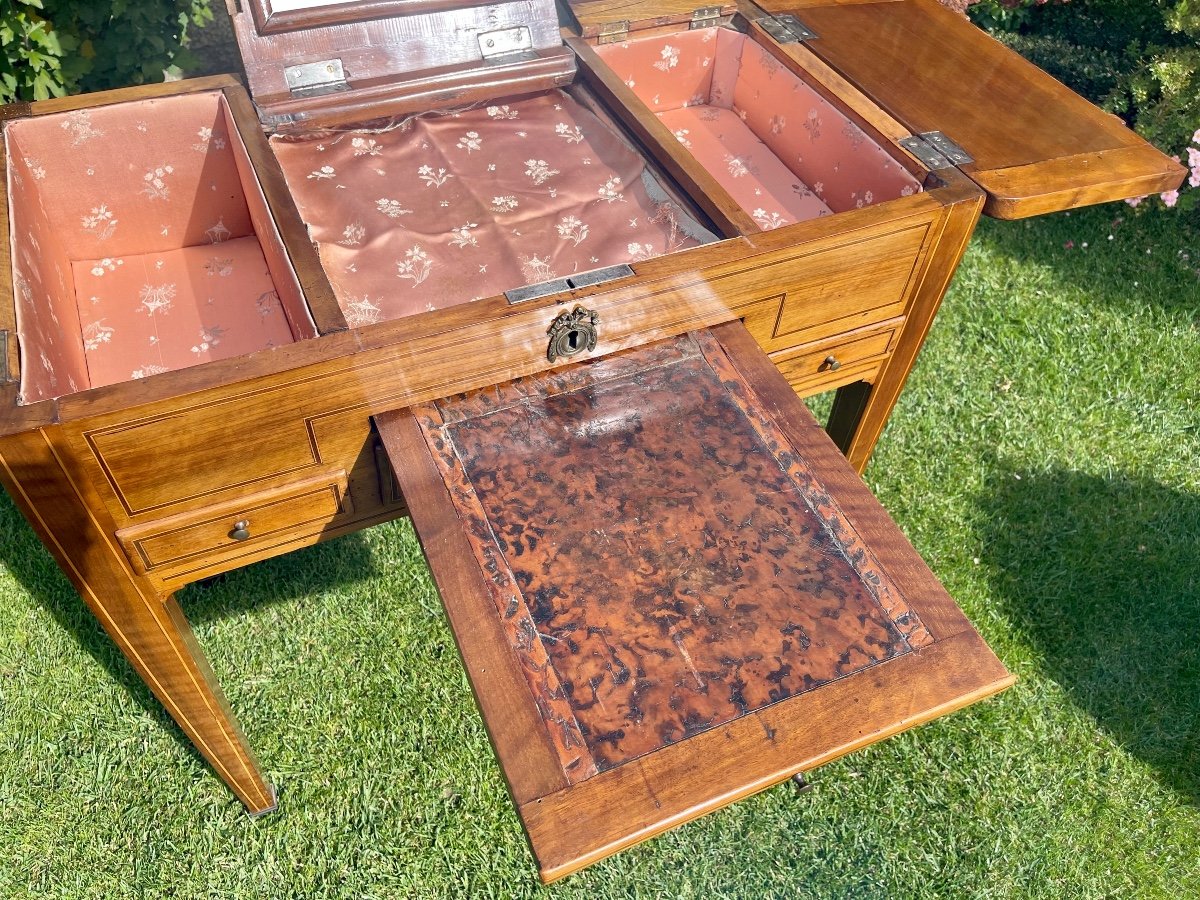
column 559, row 302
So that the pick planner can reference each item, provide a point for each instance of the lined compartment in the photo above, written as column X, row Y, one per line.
column 147, row 247
column 783, row 152
column 445, row 208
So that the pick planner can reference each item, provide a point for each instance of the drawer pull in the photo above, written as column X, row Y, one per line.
column 831, row 363
column 241, row 530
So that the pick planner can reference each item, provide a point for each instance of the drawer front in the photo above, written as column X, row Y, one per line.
column 842, row 288
column 828, row 364
column 184, row 545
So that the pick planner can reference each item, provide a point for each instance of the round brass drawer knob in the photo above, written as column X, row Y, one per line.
column 831, row 363
column 241, row 530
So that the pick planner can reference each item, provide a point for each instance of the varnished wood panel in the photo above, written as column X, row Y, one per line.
column 637, row 687
column 935, row 71
column 860, row 283
column 271, row 517
column 583, row 824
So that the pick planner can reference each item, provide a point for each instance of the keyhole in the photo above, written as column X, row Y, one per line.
column 574, row 341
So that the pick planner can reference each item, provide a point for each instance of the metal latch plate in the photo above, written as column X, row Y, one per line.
column 786, row 29
column 316, row 77
column 571, row 282
column 505, row 41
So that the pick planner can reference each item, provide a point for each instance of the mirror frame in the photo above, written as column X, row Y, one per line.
column 347, row 12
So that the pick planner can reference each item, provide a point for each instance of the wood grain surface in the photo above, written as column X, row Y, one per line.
column 661, row 542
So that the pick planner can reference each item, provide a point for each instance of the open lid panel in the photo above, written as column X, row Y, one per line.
column 670, row 590
column 312, row 64
column 1031, row 143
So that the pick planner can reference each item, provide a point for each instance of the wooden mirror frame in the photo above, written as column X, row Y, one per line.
column 268, row 21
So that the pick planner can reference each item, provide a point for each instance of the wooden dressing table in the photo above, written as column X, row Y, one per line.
column 651, row 556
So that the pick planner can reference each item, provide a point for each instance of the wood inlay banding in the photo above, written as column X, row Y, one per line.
column 662, row 562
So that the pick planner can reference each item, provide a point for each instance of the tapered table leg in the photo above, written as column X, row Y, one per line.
column 149, row 628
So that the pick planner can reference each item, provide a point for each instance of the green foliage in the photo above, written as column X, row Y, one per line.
column 53, row 47
column 1137, row 58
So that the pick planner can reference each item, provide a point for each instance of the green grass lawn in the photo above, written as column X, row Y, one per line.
column 1045, row 460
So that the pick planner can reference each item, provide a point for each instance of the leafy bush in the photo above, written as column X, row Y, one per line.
column 1137, row 58
column 53, row 47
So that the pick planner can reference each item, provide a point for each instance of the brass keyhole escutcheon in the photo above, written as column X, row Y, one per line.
column 572, row 333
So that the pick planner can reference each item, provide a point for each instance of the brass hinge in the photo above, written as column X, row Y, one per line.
column 936, row 150
column 708, row 17
column 613, row 32
column 786, row 29
column 316, row 78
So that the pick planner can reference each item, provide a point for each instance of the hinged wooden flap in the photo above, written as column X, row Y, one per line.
column 669, row 588
column 311, row 64
column 1036, row 146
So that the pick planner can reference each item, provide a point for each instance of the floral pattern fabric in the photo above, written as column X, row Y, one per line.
column 446, row 208
column 114, row 204
column 784, row 153
column 149, row 313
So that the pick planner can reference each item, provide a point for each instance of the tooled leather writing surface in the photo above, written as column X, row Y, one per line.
column 662, row 562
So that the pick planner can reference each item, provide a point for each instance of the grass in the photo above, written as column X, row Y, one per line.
column 1045, row 460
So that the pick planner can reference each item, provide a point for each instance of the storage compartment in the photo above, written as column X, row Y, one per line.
column 141, row 243
column 783, row 152
column 442, row 208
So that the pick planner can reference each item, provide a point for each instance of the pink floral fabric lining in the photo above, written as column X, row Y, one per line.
column 119, row 206
column 443, row 209
column 782, row 151
column 185, row 302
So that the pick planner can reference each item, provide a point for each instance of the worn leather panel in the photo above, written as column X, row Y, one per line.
column 662, row 561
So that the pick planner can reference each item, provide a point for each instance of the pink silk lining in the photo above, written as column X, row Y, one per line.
column 448, row 208
column 782, row 151
column 146, row 193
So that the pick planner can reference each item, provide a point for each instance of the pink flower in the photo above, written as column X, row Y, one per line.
column 1170, row 198
column 1193, row 157
column 1134, row 201
column 1196, row 137
column 1069, row 245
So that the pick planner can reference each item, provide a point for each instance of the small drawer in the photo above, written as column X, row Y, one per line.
column 205, row 540
column 828, row 364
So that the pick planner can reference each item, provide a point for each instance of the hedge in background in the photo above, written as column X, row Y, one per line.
column 1137, row 58
column 53, row 47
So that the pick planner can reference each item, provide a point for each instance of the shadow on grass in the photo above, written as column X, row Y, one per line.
column 1104, row 576
column 1119, row 272
column 290, row 578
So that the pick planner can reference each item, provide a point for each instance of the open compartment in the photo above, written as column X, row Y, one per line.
column 442, row 208
column 782, row 151
column 146, row 247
